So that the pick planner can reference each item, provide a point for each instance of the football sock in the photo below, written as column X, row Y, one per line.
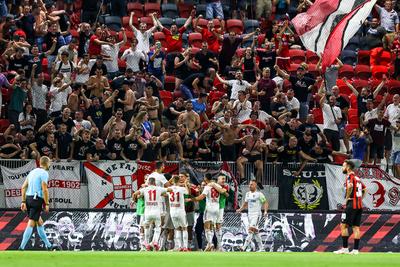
column 218, row 233
column 209, row 236
column 356, row 243
column 146, row 236
column 178, row 238
column 258, row 240
column 185, row 238
column 156, row 236
column 42, row 234
column 248, row 240
column 26, row 236
column 141, row 238
column 345, row 241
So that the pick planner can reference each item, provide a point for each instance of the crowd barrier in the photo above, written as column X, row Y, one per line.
column 110, row 231
column 109, row 184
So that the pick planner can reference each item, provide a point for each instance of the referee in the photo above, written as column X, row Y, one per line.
column 351, row 217
column 35, row 196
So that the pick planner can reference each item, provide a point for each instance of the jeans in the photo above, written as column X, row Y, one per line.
column 214, row 8
column 50, row 60
column 3, row 8
column 303, row 112
column 186, row 92
column 39, row 42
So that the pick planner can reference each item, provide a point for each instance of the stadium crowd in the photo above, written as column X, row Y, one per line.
column 215, row 81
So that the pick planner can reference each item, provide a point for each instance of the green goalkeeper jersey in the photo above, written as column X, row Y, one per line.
column 140, row 206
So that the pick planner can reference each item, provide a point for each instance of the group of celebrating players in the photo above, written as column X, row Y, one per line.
column 166, row 209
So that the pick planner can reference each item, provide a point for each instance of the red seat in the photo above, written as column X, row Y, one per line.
column 195, row 39
column 137, row 8
column 125, row 22
column 312, row 68
column 393, row 86
column 353, row 116
column 121, row 64
column 169, row 83
column 160, row 36
column 362, row 72
column 312, row 57
column 151, row 8
column 4, row 123
column 346, row 71
column 385, row 58
column 234, row 25
column 166, row 97
column 297, row 56
column 350, row 127
column 217, row 23
column 6, row 93
column 359, row 84
column 353, row 101
column 363, row 57
column 378, row 71
column 343, row 88
column 148, row 21
column 44, row 65
column 293, row 68
column 318, row 118
column 214, row 96
column 202, row 23
column 185, row 9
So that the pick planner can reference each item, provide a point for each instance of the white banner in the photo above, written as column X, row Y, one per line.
column 111, row 183
column 383, row 191
column 64, row 184
column 13, row 180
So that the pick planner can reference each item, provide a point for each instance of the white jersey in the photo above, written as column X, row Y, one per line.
column 255, row 200
column 212, row 198
column 177, row 199
column 152, row 199
column 160, row 178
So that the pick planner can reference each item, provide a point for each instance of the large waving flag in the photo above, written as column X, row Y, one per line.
column 315, row 25
column 343, row 32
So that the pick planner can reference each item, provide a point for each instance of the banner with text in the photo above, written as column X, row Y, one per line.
column 13, row 179
column 383, row 191
column 64, row 184
column 307, row 191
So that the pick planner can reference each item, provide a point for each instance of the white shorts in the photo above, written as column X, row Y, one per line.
column 220, row 218
column 179, row 219
column 211, row 215
column 152, row 218
column 190, row 218
column 141, row 222
column 254, row 220
column 163, row 209
column 167, row 221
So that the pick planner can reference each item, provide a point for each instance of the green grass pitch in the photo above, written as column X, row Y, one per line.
column 194, row 259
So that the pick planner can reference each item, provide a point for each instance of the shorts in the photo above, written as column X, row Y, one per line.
column 34, row 207
column 333, row 138
column 350, row 216
column 211, row 215
column 190, row 218
column 152, row 218
column 254, row 220
column 376, row 151
column 396, row 157
column 168, row 224
column 253, row 158
column 179, row 219
column 220, row 218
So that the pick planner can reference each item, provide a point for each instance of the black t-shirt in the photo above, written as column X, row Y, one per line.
column 48, row 40
column 17, row 63
column 27, row 23
column 289, row 154
column 306, row 147
column 362, row 103
column 151, row 152
column 182, row 71
column 277, row 107
column 46, row 149
column 63, row 143
column 267, row 59
column 168, row 114
column 190, row 153
column 31, row 59
column 131, row 149
column 323, row 157
column 272, row 155
column 102, row 153
column 9, row 150
column 115, row 146
column 97, row 113
column 81, row 149
column 290, row 132
column 69, row 122
column 210, row 144
column 204, row 60
column 189, row 80
column 300, row 87
column 342, row 103
column 312, row 127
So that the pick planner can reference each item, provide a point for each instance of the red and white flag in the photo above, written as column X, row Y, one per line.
column 344, row 31
column 315, row 25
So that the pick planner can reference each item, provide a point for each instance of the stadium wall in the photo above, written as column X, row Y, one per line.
column 110, row 231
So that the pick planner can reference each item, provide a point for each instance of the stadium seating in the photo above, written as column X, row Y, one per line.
column 234, row 25
column 312, row 57
column 353, row 101
column 202, row 22
column 362, row 72
column 379, row 71
column 343, row 88
column 359, row 84
column 113, row 23
column 318, row 117
column 169, row 83
column 137, row 8
column 312, row 69
column 125, row 22
column 160, row 36
column 185, row 9
column 148, row 21
column 297, row 56
column 350, row 127
column 348, row 57
column 166, row 21
column 250, row 25
column 166, row 97
column 354, row 43
column 393, row 87
column 346, row 71
column 180, row 22
column 170, row 10
column 195, row 39
column 363, row 57
column 353, row 116
column 201, row 10
column 151, row 8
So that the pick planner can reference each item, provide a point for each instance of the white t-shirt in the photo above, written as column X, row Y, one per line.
column 83, row 77
column 143, row 40
column 238, row 86
column 59, row 99
column 329, row 119
column 132, row 58
column 152, row 199
column 293, row 104
column 392, row 113
column 262, row 116
column 373, row 114
column 65, row 69
column 242, row 108
column 112, row 52
column 177, row 199
column 212, row 198
column 39, row 94
column 396, row 141
column 254, row 200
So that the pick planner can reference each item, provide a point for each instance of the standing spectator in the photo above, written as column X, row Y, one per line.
column 331, row 74
column 282, row 8
column 373, row 34
column 359, row 144
column 156, row 66
column 377, row 128
column 250, row 65
column 82, row 70
column 115, row 123
column 115, row 144
column 266, row 89
column 64, row 67
column 97, row 84
column 214, row 9
column 64, row 143
column 200, row 105
column 171, row 113
column 388, row 17
column 18, row 97
column 128, row 101
column 64, row 119
column 241, row 105
column 53, row 35
column 237, row 85
column 396, row 149
column 71, row 49
column 110, row 54
column 142, row 34
column 292, row 103
column 133, row 145
column 210, row 34
column 95, row 43
column 59, row 92
column 80, row 123
column 332, row 118
column 207, row 60
column 133, row 55
column 152, row 104
column 84, row 38
column 372, row 113
column 95, row 113
column 27, row 21
column 45, row 148
column 97, row 63
column 309, row 125
column 39, row 94
column 82, row 146
column 181, row 67
column 27, row 119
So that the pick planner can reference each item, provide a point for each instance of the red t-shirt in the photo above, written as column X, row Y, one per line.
column 174, row 42
column 285, row 45
column 212, row 40
column 94, row 49
column 259, row 124
column 396, row 46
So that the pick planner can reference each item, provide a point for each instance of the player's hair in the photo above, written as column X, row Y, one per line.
column 350, row 164
column 184, row 173
column 151, row 181
column 208, row 176
column 253, row 181
column 159, row 164
column 176, row 179
column 44, row 161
